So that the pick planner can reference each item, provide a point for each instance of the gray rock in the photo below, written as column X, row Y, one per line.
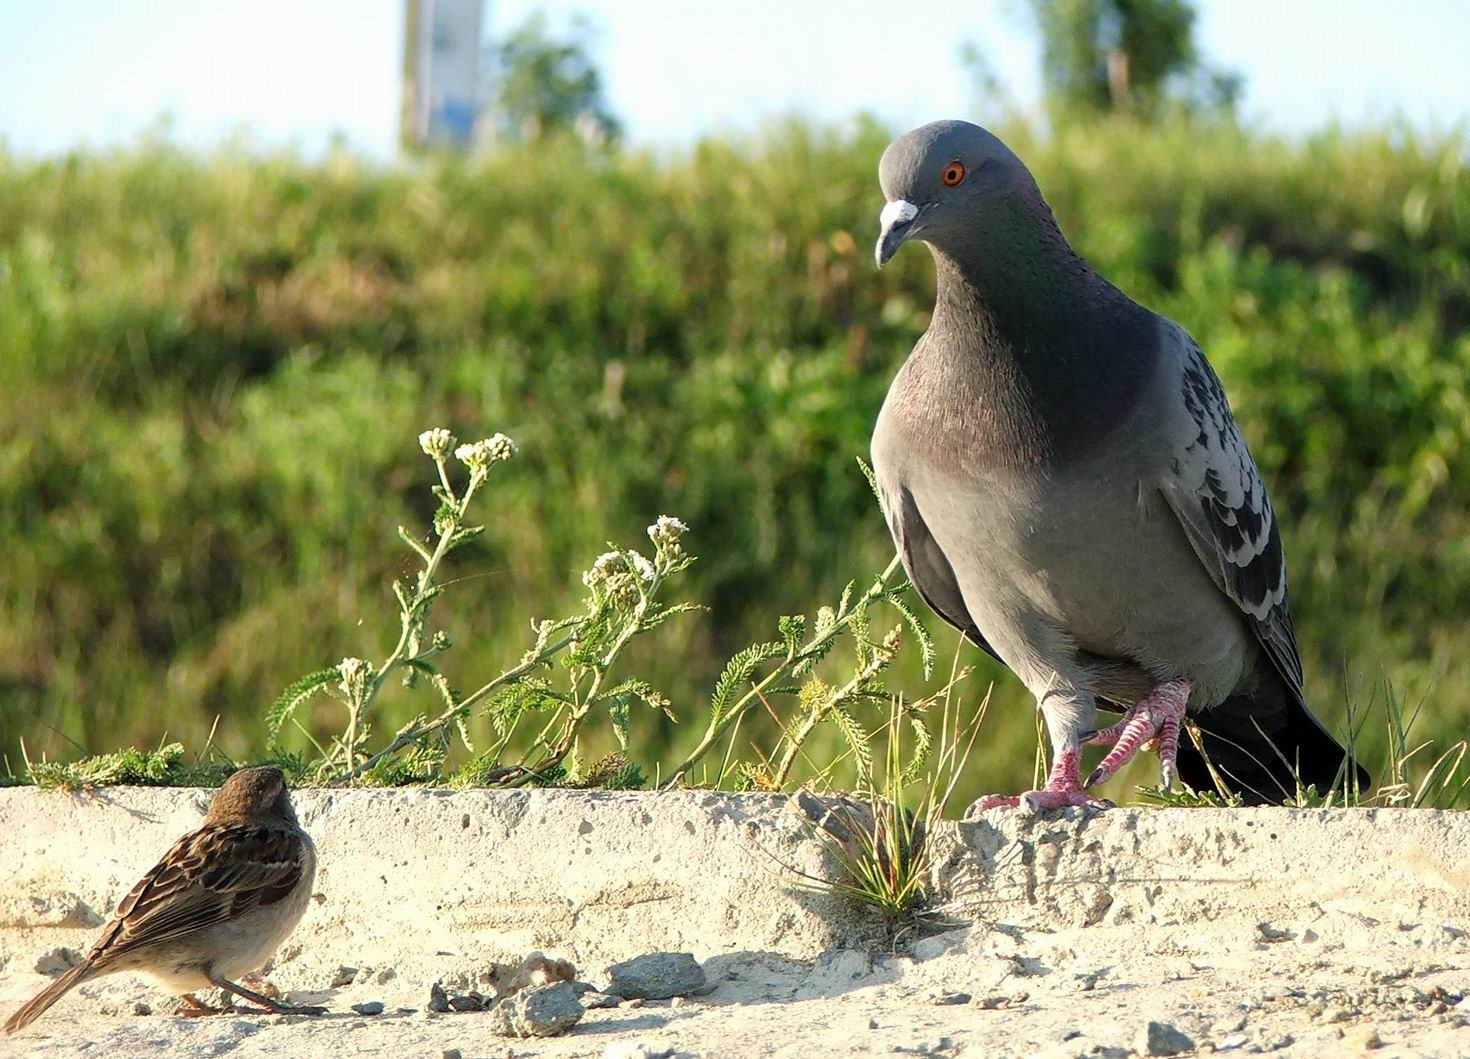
column 1230, row 1043
column 452, row 1053
column 467, row 1002
column 1161, row 1038
column 141, row 1008
column 593, row 1000
column 372, row 1007
column 542, row 1012
column 344, row 976
column 438, row 999
column 656, row 976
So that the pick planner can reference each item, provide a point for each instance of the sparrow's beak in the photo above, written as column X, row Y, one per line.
column 895, row 225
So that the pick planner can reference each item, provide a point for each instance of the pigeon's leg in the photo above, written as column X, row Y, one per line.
column 274, row 1006
column 1156, row 720
column 1066, row 720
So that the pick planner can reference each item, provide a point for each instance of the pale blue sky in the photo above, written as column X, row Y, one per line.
column 294, row 72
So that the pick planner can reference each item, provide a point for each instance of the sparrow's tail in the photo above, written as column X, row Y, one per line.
column 37, row 1005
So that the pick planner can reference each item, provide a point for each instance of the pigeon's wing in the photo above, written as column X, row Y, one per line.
column 928, row 569
column 1216, row 492
column 211, row 875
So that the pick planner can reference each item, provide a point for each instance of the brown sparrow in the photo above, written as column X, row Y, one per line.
column 215, row 908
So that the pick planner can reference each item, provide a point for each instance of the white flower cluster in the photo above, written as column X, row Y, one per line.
column 612, row 575
column 479, row 455
column 438, row 443
column 666, row 531
column 355, row 673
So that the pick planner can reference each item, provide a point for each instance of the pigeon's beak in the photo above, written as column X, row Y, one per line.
column 895, row 225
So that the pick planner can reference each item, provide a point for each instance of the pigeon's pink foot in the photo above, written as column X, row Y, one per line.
column 1063, row 789
column 1157, row 720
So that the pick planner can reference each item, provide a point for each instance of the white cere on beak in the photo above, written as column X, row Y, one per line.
column 897, row 212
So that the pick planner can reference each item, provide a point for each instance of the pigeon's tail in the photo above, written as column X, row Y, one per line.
column 36, row 1006
column 1266, row 751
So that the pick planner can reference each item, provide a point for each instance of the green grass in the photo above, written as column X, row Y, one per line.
column 210, row 370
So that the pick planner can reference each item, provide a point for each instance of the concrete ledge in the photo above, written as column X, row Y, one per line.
column 1182, row 865
column 1274, row 920
column 438, row 883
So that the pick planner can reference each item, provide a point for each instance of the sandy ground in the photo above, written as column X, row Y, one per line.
column 1293, row 934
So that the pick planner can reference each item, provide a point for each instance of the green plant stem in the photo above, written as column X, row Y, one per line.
column 815, row 717
column 415, row 732
column 409, row 618
column 718, row 728
column 556, row 754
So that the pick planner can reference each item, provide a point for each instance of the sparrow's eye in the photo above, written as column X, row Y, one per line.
column 953, row 174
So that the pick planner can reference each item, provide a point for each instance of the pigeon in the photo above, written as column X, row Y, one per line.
column 1066, row 485
column 216, row 907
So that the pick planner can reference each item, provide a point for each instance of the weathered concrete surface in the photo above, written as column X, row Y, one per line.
column 442, row 883
column 1296, row 933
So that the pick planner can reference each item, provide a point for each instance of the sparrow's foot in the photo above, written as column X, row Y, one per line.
column 274, row 1007
column 1156, row 720
column 1062, row 790
column 195, row 1008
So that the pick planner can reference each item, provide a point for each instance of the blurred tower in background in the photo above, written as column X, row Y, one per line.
column 441, row 72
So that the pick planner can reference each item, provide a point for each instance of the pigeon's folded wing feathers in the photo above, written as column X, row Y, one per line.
column 928, row 569
column 1215, row 490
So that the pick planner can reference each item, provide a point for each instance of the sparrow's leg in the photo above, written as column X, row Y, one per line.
column 1067, row 717
column 274, row 1006
column 1157, row 718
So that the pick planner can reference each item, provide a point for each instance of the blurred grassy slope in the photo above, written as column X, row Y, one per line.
column 212, row 373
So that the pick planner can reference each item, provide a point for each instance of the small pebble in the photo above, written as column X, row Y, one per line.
column 372, row 1007
column 1161, row 1038
column 1229, row 1044
column 141, row 1008
column 452, row 1053
column 872, row 1023
column 344, row 976
column 595, row 1000
column 1001, row 1000
column 950, row 998
column 1362, row 1038
column 635, row 1050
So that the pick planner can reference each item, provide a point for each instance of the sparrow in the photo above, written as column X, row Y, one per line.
column 215, row 908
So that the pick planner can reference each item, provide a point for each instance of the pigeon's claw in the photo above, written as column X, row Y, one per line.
column 1063, row 789
column 1156, row 720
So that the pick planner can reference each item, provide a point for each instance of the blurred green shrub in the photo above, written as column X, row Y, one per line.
column 208, row 367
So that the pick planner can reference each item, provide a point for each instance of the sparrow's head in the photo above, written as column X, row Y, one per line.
column 252, row 794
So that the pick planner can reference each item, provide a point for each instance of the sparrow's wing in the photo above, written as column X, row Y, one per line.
column 211, row 875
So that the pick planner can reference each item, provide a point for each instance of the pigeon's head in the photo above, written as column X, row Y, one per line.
column 252, row 794
column 938, row 179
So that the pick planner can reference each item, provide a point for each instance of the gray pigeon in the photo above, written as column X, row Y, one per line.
column 1066, row 485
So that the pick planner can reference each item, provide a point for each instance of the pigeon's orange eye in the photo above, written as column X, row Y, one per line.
column 953, row 174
